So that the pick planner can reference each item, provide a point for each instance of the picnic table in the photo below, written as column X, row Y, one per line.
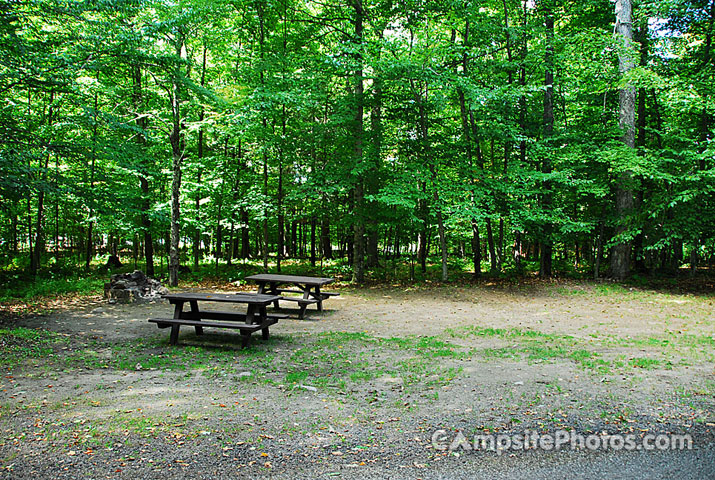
column 256, row 318
column 307, row 287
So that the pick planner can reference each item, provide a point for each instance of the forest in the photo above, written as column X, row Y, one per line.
column 524, row 137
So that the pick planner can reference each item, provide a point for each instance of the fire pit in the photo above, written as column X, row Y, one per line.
column 133, row 287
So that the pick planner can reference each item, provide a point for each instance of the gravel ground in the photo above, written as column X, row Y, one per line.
column 355, row 392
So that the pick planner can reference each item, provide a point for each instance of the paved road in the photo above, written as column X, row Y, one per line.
column 697, row 464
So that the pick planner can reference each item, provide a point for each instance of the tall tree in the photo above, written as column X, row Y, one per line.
column 546, row 166
column 621, row 251
column 358, row 132
column 175, row 92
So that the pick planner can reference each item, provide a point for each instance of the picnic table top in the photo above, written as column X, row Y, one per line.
column 269, row 277
column 250, row 298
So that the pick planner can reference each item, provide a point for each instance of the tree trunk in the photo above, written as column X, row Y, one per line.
column 146, row 227
column 230, row 245
column 517, row 252
column 137, row 97
column 218, row 251
column 599, row 251
column 177, row 158
column 422, row 234
column 442, row 240
column 421, row 98
column 265, row 212
column 621, row 252
column 245, row 240
column 492, row 251
column 325, row 244
column 13, row 246
column 373, row 178
column 358, row 214
column 517, row 249
column 466, row 133
column 264, row 122
column 312, row 241
column 476, row 250
column 281, row 218
column 90, row 244
column 546, row 200
column 638, row 251
column 36, row 253
column 199, row 156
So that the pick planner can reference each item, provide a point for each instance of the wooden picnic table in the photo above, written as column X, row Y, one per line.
column 307, row 287
column 256, row 318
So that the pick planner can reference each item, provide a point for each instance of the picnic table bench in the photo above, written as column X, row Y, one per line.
column 256, row 318
column 307, row 287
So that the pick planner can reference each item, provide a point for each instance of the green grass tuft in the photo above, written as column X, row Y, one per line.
column 18, row 344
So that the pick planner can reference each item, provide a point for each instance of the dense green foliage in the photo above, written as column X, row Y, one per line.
column 367, row 129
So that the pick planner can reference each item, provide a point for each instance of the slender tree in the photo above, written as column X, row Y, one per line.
column 621, row 251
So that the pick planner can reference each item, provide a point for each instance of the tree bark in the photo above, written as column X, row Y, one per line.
column 280, row 253
column 621, row 252
column 373, row 179
column 642, row 116
column 359, row 225
column 199, row 156
column 138, row 94
column 90, row 244
column 422, row 233
column 177, row 155
column 245, row 240
column 264, row 122
column 492, row 251
column 517, row 248
column 548, row 119
column 464, row 116
column 325, row 244
column 442, row 240
column 312, row 241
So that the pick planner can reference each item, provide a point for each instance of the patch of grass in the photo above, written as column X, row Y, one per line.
column 545, row 352
column 645, row 363
column 342, row 360
column 608, row 289
column 43, row 287
column 18, row 344
column 600, row 365
column 505, row 352
column 477, row 331
column 428, row 346
column 567, row 291
column 540, row 346
column 330, row 338
column 581, row 355
column 363, row 375
column 155, row 353
column 297, row 377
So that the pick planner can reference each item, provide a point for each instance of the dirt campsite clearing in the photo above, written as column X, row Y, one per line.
column 379, row 384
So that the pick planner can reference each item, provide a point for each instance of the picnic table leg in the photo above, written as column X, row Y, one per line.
column 178, row 313
column 318, row 296
column 245, row 339
column 274, row 291
column 174, row 337
column 263, row 315
column 261, row 287
column 303, row 306
column 196, row 316
column 250, row 314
